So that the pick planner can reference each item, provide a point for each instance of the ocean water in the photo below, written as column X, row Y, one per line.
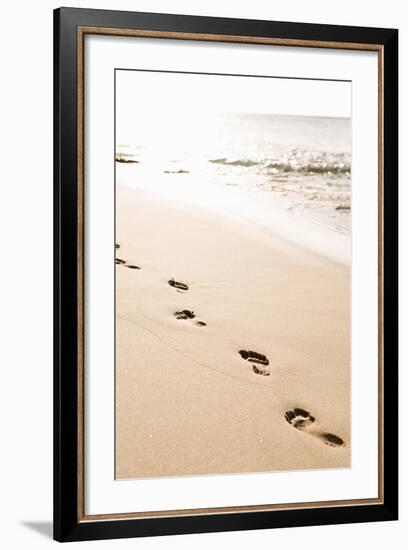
column 304, row 163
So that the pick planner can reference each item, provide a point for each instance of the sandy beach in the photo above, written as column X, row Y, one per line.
column 247, row 369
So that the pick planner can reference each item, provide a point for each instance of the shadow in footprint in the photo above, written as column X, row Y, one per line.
column 184, row 314
column 302, row 420
column 119, row 261
column 259, row 361
column 177, row 284
column 332, row 440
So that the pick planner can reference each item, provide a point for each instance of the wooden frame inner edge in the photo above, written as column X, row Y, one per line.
column 81, row 32
column 80, row 278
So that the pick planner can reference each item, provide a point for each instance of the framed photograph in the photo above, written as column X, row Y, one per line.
column 225, row 274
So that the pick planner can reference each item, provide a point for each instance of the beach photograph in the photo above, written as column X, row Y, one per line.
column 233, row 274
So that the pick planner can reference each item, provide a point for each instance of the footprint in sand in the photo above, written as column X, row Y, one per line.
column 119, row 261
column 177, row 285
column 186, row 314
column 302, row 420
column 260, row 363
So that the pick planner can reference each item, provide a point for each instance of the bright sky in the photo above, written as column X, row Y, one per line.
column 141, row 96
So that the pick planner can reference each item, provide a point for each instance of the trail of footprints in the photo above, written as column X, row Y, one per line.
column 299, row 418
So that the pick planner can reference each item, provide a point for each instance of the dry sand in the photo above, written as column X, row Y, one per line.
column 187, row 403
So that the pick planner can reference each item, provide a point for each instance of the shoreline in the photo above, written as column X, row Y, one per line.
column 188, row 402
column 265, row 210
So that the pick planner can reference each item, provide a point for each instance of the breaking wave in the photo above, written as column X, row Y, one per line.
column 316, row 163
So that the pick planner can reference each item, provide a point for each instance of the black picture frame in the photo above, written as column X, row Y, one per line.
column 68, row 525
